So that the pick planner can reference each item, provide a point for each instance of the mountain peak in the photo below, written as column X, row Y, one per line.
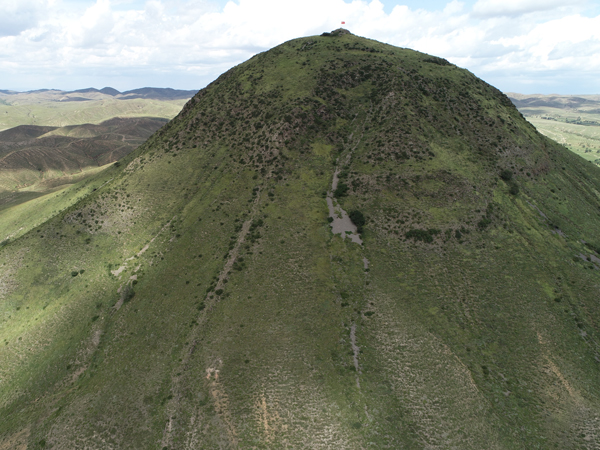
column 337, row 32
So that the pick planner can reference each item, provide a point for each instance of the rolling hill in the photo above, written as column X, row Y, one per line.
column 571, row 120
column 336, row 244
column 51, row 107
column 35, row 161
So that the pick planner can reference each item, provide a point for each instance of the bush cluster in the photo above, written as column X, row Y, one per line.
column 341, row 190
column 127, row 294
column 507, row 176
column 422, row 235
column 357, row 219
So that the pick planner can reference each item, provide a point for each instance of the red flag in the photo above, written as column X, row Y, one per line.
column 343, row 23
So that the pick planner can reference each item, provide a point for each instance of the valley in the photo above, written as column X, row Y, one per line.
column 57, row 139
column 48, row 107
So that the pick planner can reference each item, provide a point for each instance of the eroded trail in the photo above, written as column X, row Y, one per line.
column 216, row 390
column 341, row 223
column 355, row 352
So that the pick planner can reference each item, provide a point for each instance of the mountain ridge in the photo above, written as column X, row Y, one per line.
column 61, row 96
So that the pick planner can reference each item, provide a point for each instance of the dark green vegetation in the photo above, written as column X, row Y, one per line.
column 214, row 308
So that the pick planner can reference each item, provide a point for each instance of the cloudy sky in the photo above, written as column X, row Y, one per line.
column 528, row 46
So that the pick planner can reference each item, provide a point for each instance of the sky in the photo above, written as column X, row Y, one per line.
column 526, row 46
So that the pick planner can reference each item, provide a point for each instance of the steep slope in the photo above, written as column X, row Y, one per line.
column 198, row 297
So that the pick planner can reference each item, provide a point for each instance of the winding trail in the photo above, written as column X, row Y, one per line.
column 343, row 225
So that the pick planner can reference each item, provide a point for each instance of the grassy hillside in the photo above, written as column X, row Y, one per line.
column 198, row 297
column 27, row 208
column 573, row 121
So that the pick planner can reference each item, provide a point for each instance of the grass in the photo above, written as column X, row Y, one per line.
column 24, row 210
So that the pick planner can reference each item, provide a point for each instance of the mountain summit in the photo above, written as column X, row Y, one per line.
column 336, row 244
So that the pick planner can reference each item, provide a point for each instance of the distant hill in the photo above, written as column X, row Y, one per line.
column 571, row 120
column 31, row 154
column 92, row 94
column 49, row 109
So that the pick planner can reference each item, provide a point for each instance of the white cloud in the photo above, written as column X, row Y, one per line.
column 512, row 8
column 187, row 43
column 19, row 15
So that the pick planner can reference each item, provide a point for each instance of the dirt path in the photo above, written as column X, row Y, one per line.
column 355, row 352
column 341, row 223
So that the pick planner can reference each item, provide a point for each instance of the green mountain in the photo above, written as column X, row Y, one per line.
column 202, row 295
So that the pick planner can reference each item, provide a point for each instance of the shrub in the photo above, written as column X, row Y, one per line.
column 357, row 219
column 74, row 273
column 422, row 235
column 127, row 293
column 514, row 189
column 341, row 190
column 484, row 223
column 506, row 175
